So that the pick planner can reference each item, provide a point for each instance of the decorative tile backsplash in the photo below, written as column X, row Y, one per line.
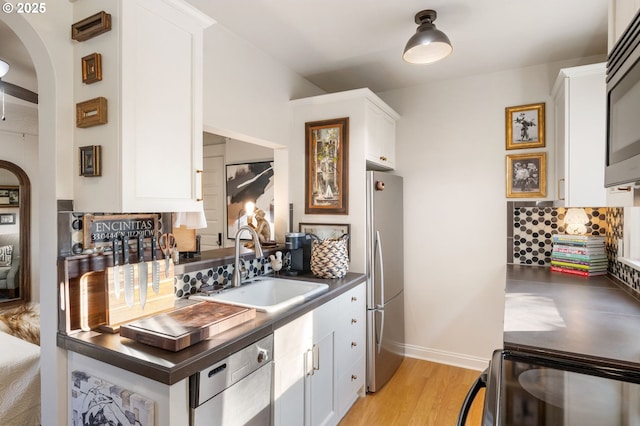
column 530, row 230
column 211, row 278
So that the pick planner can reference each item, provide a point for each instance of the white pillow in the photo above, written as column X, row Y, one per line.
column 5, row 255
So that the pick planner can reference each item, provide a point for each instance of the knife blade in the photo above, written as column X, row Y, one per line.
column 116, row 267
column 128, row 273
column 143, row 271
column 155, row 267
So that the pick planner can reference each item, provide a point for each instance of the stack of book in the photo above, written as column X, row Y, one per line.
column 579, row 255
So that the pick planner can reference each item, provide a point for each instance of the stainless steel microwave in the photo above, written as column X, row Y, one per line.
column 623, row 108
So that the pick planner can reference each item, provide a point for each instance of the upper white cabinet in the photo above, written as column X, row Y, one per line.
column 620, row 14
column 151, row 145
column 580, row 117
column 381, row 136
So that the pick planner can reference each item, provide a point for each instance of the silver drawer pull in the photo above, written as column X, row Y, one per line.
column 354, row 344
column 354, row 299
column 353, row 320
column 354, row 377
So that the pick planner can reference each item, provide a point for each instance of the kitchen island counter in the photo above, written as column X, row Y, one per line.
column 168, row 367
column 594, row 318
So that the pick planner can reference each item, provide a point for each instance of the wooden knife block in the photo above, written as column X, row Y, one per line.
column 117, row 310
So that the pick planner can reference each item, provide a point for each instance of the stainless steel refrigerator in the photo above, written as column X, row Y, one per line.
column 385, row 278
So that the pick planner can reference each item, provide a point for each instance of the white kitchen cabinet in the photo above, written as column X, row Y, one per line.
column 380, row 138
column 621, row 12
column 350, row 348
column 579, row 96
column 319, row 361
column 152, row 79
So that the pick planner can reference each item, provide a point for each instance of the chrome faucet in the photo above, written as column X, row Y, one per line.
column 237, row 274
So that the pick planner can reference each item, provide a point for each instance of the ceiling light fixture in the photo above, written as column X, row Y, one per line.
column 4, row 68
column 428, row 44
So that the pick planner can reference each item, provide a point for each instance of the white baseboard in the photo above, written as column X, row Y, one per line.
column 448, row 358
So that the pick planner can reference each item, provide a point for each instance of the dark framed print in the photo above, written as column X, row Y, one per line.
column 249, row 187
column 525, row 126
column 10, row 196
column 526, row 175
column 92, row 68
column 7, row 218
column 326, row 172
column 90, row 161
column 327, row 231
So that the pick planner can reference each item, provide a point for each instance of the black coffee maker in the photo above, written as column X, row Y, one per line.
column 299, row 246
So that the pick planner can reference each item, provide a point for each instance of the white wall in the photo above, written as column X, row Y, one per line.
column 451, row 152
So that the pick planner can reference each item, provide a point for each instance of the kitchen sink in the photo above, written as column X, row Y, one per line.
column 267, row 294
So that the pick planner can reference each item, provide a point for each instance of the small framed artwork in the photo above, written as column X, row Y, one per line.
column 7, row 218
column 91, row 26
column 92, row 68
column 326, row 173
column 10, row 196
column 327, row 230
column 525, row 126
column 90, row 161
column 526, row 175
column 91, row 113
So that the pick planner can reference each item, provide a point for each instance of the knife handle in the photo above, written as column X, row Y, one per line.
column 140, row 248
column 116, row 252
column 154, row 243
column 125, row 250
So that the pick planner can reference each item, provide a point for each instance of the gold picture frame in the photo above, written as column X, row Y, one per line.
column 327, row 167
column 91, row 113
column 91, row 26
column 90, row 161
column 525, row 126
column 92, row 68
column 527, row 175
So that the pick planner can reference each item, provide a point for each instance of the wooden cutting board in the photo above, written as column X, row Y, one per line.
column 186, row 326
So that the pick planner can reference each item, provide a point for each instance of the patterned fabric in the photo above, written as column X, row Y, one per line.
column 329, row 258
column 5, row 255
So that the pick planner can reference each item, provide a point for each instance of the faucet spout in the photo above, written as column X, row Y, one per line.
column 237, row 274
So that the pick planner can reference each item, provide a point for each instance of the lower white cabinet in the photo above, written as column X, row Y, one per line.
column 319, row 362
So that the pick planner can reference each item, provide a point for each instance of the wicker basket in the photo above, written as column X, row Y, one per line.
column 330, row 258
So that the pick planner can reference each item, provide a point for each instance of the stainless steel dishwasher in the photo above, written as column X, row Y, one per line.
column 236, row 390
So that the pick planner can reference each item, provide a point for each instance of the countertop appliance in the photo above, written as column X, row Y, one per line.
column 299, row 246
column 385, row 278
column 623, row 102
column 236, row 390
column 530, row 389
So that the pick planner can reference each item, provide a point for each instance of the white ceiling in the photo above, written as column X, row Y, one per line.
column 346, row 44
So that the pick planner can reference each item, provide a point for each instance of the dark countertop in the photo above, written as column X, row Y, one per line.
column 170, row 367
column 593, row 319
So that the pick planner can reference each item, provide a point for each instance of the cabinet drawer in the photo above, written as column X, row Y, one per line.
column 350, row 384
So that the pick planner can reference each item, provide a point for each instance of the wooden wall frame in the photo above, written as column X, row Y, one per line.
column 90, row 161
column 91, row 26
column 92, row 68
column 91, row 113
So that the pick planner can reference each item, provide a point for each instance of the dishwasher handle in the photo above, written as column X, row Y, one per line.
column 481, row 382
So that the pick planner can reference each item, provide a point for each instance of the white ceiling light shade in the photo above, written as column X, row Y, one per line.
column 428, row 44
column 4, row 68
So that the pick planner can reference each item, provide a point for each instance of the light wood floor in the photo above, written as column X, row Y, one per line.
column 420, row 393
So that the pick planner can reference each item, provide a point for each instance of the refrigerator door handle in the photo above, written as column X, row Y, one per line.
column 380, row 306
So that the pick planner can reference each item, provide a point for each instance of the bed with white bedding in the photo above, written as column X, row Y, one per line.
column 19, row 369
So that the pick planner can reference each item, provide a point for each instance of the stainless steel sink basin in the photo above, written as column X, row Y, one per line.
column 267, row 294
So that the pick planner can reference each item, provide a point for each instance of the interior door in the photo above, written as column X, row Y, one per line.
column 213, row 187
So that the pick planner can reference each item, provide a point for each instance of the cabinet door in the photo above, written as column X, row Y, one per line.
column 161, row 109
column 561, row 140
column 380, row 138
column 322, row 401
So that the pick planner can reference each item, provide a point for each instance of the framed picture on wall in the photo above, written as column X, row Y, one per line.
column 248, row 183
column 525, row 126
column 326, row 172
column 526, row 175
column 10, row 196
column 7, row 218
